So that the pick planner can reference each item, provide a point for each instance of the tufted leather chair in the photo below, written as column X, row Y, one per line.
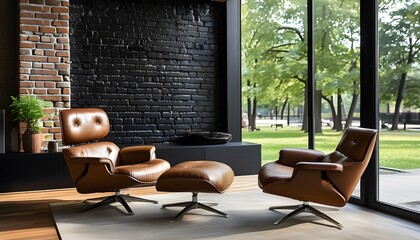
column 313, row 176
column 102, row 166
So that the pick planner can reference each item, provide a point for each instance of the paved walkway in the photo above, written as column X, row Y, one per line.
column 400, row 188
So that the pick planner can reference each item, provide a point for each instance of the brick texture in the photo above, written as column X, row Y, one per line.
column 154, row 66
column 43, row 68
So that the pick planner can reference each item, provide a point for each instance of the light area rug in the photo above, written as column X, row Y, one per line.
column 249, row 218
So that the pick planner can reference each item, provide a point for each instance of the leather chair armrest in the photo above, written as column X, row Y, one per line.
column 292, row 156
column 137, row 154
column 319, row 166
column 94, row 160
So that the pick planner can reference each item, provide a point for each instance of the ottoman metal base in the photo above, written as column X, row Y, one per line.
column 193, row 204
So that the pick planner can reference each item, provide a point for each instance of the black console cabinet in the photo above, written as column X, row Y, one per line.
column 243, row 157
column 27, row 172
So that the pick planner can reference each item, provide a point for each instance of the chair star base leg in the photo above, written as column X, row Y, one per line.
column 122, row 199
column 194, row 204
column 138, row 199
column 305, row 207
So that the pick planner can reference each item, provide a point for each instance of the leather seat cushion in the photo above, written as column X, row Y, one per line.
column 274, row 172
column 144, row 172
column 196, row 176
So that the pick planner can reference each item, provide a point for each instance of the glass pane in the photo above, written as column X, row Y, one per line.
column 274, row 72
column 337, row 71
column 399, row 69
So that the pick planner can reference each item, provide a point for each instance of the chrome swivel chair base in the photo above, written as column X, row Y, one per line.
column 194, row 204
column 121, row 198
column 304, row 207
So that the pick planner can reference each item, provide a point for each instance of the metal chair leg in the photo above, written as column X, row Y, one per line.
column 293, row 213
column 95, row 199
column 107, row 200
column 324, row 216
column 138, row 199
column 125, row 205
column 305, row 207
column 121, row 198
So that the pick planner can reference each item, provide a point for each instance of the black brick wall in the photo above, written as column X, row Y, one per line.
column 156, row 66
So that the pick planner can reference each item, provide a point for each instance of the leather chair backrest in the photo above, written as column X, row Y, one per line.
column 81, row 125
column 353, row 152
column 85, row 125
column 357, row 143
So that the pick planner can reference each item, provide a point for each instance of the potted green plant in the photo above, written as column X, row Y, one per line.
column 28, row 109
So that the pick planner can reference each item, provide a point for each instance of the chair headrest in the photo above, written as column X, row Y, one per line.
column 357, row 143
column 80, row 125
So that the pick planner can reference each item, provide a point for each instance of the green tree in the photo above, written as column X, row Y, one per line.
column 274, row 54
column 337, row 56
column 256, row 37
column 399, row 49
column 270, row 41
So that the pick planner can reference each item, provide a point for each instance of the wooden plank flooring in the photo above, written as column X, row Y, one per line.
column 26, row 215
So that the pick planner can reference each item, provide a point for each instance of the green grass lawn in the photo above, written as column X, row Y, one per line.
column 397, row 149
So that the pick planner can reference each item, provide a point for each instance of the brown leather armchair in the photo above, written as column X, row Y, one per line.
column 102, row 166
column 312, row 176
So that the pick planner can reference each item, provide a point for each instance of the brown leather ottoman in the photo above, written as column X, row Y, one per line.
column 195, row 177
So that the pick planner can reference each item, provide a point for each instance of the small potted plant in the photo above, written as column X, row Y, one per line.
column 28, row 109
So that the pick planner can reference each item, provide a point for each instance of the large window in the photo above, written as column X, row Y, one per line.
column 274, row 74
column 399, row 79
column 353, row 86
column 337, row 71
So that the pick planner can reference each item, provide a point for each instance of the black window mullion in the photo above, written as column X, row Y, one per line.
column 311, row 79
column 369, row 109
column 369, row 84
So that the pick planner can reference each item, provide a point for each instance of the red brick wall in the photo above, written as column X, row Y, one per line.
column 44, row 57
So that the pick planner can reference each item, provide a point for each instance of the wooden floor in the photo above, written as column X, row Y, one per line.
column 26, row 215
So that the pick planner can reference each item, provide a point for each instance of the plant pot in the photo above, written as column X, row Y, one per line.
column 32, row 143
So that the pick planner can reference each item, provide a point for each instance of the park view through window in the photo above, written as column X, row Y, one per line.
column 399, row 92
column 274, row 76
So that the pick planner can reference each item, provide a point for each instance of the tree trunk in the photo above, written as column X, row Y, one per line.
column 283, row 108
column 339, row 113
column 350, row 115
column 305, row 113
column 333, row 113
column 354, row 99
column 400, row 97
column 249, row 109
column 317, row 111
column 254, row 114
